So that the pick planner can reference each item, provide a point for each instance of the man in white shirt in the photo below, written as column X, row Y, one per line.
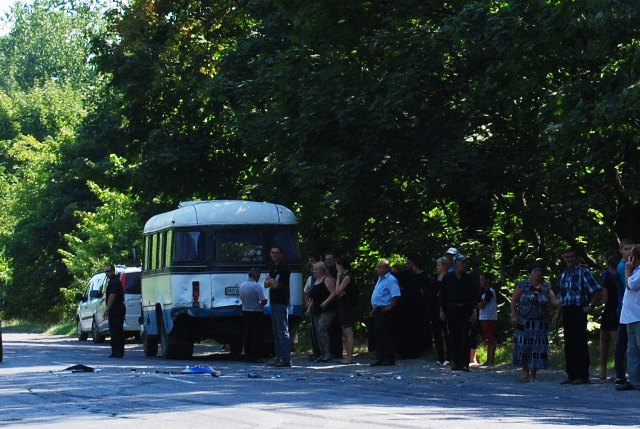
column 630, row 316
column 253, row 299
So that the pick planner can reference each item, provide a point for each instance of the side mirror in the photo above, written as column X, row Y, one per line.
column 80, row 297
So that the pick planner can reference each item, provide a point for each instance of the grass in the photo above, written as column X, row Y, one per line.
column 29, row 327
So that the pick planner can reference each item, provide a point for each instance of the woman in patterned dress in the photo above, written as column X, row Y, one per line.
column 530, row 316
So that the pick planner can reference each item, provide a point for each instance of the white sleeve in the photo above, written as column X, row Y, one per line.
column 633, row 282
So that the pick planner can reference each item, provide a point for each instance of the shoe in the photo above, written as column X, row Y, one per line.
column 282, row 365
column 619, row 380
column 346, row 362
column 567, row 381
column 376, row 363
column 623, row 387
column 274, row 363
column 111, row 355
column 581, row 381
column 441, row 362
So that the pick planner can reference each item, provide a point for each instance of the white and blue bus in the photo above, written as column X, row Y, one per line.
column 196, row 257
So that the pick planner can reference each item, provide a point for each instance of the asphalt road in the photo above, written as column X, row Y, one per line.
column 37, row 391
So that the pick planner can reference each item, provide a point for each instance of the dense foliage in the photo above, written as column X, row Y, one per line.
column 509, row 129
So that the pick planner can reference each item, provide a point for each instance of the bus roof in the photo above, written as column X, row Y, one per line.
column 221, row 212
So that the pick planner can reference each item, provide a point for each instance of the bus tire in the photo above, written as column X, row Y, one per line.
column 168, row 348
column 149, row 345
column 186, row 351
column 235, row 347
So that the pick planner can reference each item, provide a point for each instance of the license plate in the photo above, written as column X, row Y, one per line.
column 232, row 290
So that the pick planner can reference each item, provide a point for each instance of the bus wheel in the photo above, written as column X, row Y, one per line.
column 149, row 345
column 235, row 347
column 168, row 348
column 186, row 351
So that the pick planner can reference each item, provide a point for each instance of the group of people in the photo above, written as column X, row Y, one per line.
column 577, row 293
column 330, row 296
column 622, row 291
column 446, row 310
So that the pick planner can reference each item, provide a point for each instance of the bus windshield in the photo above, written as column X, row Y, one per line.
column 239, row 246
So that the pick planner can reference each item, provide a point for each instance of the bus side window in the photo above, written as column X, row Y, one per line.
column 188, row 246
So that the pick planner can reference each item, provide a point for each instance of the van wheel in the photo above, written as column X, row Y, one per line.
column 82, row 336
column 97, row 338
column 168, row 348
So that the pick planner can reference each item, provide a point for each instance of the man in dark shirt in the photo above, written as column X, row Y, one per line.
column 278, row 282
column 458, row 299
column 115, row 312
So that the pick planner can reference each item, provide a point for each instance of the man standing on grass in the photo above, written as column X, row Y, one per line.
column 578, row 289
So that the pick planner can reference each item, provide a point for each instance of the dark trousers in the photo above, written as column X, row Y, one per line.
column 315, row 344
column 116, row 329
column 459, row 327
column 437, row 331
column 385, row 336
column 620, row 352
column 252, row 321
column 576, row 348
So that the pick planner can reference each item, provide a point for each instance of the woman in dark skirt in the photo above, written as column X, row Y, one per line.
column 610, row 318
column 347, row 292
column 530, row 316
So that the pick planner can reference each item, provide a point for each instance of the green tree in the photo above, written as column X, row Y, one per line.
column 110, row 234
column 44, row 105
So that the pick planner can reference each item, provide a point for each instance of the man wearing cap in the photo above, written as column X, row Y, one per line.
column 450, row 254
column 384, row 299
column 253, row 299
column 458, row 298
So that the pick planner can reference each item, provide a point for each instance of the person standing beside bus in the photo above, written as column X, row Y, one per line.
column 115, row 312
column 278, row 282
column 253, row 300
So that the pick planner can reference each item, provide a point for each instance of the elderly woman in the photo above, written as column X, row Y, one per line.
column 322, row 297
column 529, row 315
